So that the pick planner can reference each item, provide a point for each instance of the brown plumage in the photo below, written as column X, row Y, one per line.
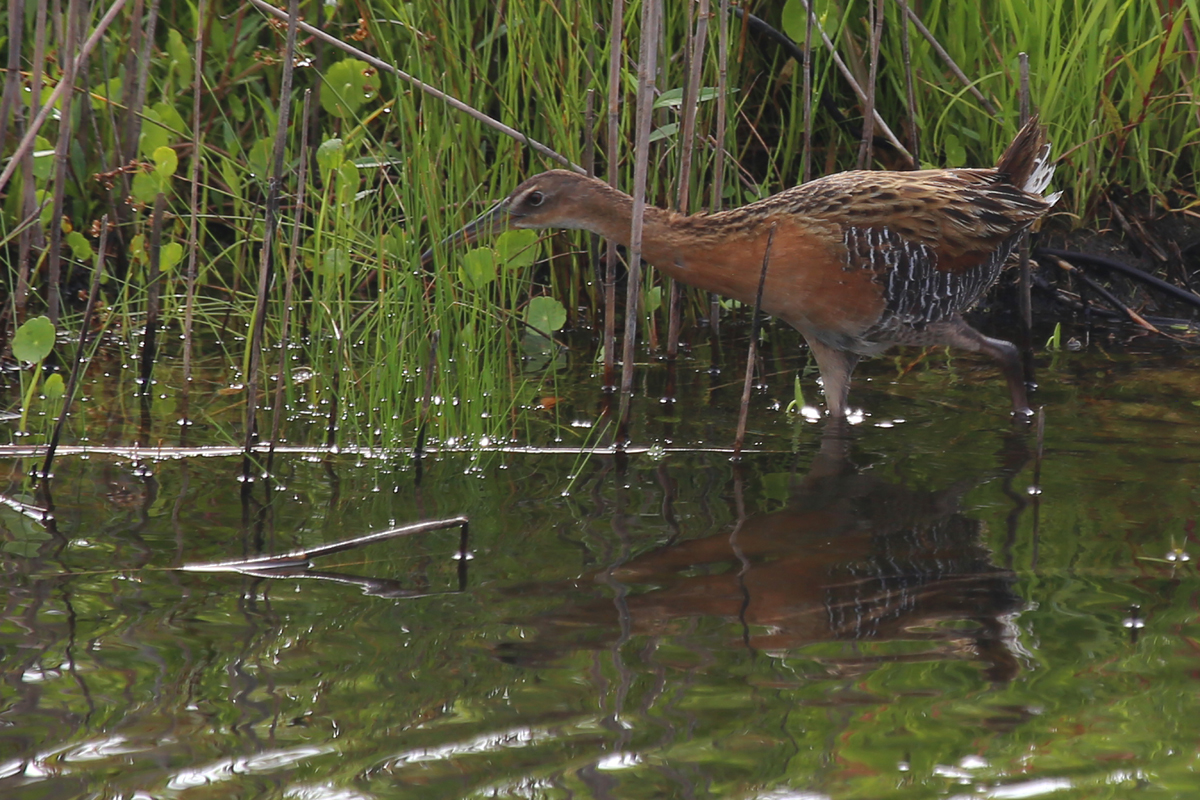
column 860, row 261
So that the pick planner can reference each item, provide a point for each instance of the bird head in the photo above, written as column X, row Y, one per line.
column 550, row 200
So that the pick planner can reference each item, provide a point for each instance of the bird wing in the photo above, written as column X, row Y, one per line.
column 953, row 219
column 934, row 240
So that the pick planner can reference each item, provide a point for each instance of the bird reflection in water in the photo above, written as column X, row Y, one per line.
column 852, row 557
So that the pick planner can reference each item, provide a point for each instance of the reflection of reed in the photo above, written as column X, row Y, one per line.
column 852, row 557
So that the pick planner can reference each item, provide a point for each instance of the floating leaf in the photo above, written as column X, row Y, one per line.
column 23, row 536
column 348, row 182
column 170, row 255
column 545, row 314
column 43, row 158
column 517, row 248
column 165, row 163
column 336, row 263
column 137, row 248
column 956, row 154
column 181, row 58
column 393, row 243
column 107, row 92
column 34, row 340
column 46, row 203
column 348, row 84
column 171, row 119
column 478, row 267
column 653, row 299
column 81, row 248
column 153, row 134
column 259, row 159
column 793, row 20
column 330, row 155
column 145, row 187
column 777, row 486
column 53, row 388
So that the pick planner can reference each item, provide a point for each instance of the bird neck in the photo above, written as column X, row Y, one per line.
column 718, row 253
column 609, row 213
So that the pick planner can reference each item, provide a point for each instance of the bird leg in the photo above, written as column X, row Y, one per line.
column 957, row 333
column 835, row 367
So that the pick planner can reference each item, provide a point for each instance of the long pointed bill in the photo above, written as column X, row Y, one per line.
column 494, row 219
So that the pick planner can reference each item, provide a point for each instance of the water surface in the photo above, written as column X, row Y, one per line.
column 900, row 611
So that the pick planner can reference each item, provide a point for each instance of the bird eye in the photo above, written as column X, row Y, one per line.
column 535, row 198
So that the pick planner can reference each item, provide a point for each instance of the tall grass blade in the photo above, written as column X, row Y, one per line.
column 910, row 89
column 293, row 256
column 613, row 139
column 810, row 17
column 752, row 355
column 424, row 87
column 687, row 143
column 1025, row 281
column 154, row 276
column 189, row 309
column 77, row 364
column 718, row 188
column 271, row 223
column 853, row 83
column 647, row 68
column 947, row 59
column 16, row 35
column 875, row 21
column 42, row 113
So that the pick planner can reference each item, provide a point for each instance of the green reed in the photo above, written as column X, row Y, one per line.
column 394, row 170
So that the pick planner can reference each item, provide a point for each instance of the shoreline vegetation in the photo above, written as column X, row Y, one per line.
column 150, row 151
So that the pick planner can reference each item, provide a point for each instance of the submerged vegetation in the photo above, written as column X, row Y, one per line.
column 157, row 161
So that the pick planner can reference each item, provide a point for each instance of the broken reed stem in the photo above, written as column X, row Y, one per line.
column 293, row 253
column 189, row 306
column 806, row 155
column 752, row 355
column 1025, row 281
column 32, row 237
column 910, row 85
column 23, row 153
column 1107, row 296
column 426, row 400
column 270, row 224
column 866, row 147
column 1041, row 443
column 54, row 258
column 714, row 304
column 942, row 54
column 1182, row 295
column 613, row 137
column 145, row 58
column 1036, row 499
column 647, row 68
column 16, row 31
column 125, row 135
column 579, row 285
column 853, row 83
column 153, row 291
column 589, row 132
column 688, row 141
column 300, row 558
column 453, row 102
column 77, row 365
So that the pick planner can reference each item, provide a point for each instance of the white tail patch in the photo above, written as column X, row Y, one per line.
column 1043, row 171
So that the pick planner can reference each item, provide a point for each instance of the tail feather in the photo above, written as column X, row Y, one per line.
column 1027, row 162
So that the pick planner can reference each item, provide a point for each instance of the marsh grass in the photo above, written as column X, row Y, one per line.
column 395, row 170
